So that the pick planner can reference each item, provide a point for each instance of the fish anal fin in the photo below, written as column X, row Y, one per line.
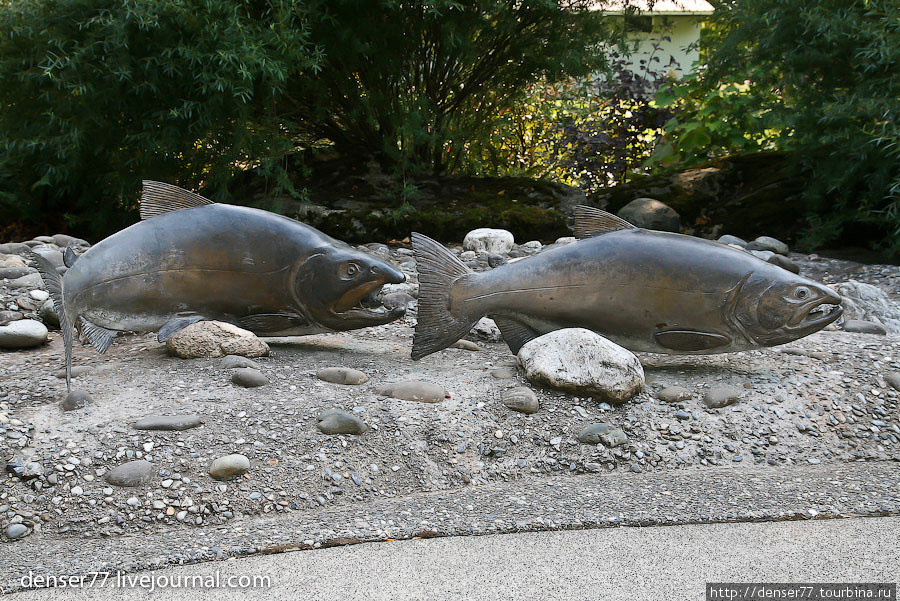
column 99, row 337
column 691, row 340
column 158, row 198
column 176, row 325
column 590, row 221
column 69, row 257
column 515, row 333
column 271, row 322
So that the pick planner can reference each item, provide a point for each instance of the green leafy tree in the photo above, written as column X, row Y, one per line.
column 817, row 78
column 97, row 95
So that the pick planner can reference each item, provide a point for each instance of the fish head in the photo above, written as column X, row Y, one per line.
column 775, row 306
column 335, row 281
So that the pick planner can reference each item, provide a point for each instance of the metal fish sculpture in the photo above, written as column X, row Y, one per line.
column 645, row 290
column 191, row 259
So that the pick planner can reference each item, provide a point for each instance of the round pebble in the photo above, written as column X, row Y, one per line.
column 342, row 375
column 521, row 399
column 340, row 422
column 248, row 377
column 422, row 392
column 229, row 466
column 76, row 399
column 133, row 473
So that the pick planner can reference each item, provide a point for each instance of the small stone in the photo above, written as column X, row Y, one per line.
column 769, row 243
column 591, row 434
column 565, row 240
column 651, row 214
column 31, row 281
column 504, row 373
column 674, row 394
column 133, row 473
column 248, row 377
column 10, row 316
column 335, row 421
column 16, row 531
column 722, row 396
column 229, row 466
column 490, row 241
column 76, row 399
column 48, row 314
column 396, row 300
column 486, row 330
column 784, row 263
column 422, row 392
column 858, row 326
column 497, row 260
column 215, row 339
column 893, row 378
column 466, row 345
column 342, row 375
column 24, row 333
column 521, row 399
column 682, row 414
column 77, row 370
column 167, row 422
column 729, row 239
column 235, row 361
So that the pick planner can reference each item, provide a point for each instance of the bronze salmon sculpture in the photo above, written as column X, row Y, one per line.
column 645, row 290
column 191, row 259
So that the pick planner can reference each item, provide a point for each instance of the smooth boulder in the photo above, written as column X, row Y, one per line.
column 651, row 214
column 490, row 241
column 722, row 396
column 229, row 466
column 342, row 375
column 206, row 339
column 422, row 392
column 24, row 333
column 335, row 421
column 674, row 394
column 859, row 326
column 168, row 422
column 76, row 399
column 521, row 399
column 131, row 474
column 248, row 377
column 584, row 363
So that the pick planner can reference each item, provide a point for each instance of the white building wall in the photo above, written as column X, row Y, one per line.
column 684, row 31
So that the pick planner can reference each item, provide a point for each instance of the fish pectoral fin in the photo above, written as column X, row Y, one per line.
column 691, row 340
column 271, row 322
column 69, row 257
column 99, row 337
column 515, row 333
column 176, row 325
column 158, row 198
column 590, row 222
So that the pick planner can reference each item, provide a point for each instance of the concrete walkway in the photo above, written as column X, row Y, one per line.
column 631, row 563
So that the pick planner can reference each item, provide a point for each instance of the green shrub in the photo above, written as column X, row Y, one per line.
column 816, row 78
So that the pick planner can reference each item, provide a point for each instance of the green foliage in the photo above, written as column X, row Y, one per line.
column 414, row 84
column 817, row 78
column 98, row 94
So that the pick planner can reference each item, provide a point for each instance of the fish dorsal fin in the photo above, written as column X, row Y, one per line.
column 158, row 198
column 590, row 222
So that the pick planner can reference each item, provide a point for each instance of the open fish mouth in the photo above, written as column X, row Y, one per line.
column 362, row 301
column 818, row 313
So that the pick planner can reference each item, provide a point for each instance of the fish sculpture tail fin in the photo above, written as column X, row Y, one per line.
column 54, row 283
column 437, row 328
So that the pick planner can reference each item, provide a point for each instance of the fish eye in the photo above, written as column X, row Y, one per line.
column 802, row 292
column 349, row 270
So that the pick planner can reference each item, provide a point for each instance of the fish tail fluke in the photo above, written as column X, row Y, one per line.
column 54, row 283
column 437, row 328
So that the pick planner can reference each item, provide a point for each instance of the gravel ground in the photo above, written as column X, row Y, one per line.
column 821, row 406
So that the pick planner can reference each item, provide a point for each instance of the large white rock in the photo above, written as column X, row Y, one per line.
column 584, row 363
column 491, row 241
column 24, row 333
column 215, row 339
column 868, row 303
